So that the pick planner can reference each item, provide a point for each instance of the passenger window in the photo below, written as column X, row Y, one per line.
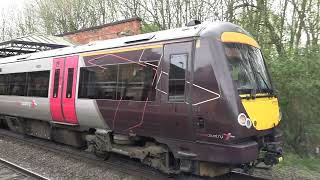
column 125, row 81
column 56, row 83
column 135, row 82
column 178, row 66
column 4, row 86
column 98, row 82
column 17, row 84
column 69, row 83
column 38, row 83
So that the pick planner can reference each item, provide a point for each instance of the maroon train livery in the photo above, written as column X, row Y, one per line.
column 196, row 99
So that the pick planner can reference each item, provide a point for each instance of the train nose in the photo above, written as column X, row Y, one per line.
column 263, row 112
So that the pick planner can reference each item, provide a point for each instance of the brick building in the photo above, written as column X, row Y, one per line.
column 112, row 30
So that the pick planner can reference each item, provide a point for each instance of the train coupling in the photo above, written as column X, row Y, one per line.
column 272, row 154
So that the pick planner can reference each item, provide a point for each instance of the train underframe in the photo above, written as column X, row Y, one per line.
column 148, row 150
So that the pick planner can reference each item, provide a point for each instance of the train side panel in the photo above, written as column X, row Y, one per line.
column 87, row 110
column 26, row 106
column 89, row 115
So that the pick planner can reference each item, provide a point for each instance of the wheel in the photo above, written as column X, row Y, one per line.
column 101, row 154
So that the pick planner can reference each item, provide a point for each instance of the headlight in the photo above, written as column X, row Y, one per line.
column 248, row 123
column 244, row 121
column 242, row 118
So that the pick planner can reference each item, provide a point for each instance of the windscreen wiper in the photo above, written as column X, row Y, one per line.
column 253, row 93
column 264, row 81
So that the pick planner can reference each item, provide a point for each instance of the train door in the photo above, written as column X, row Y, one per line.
column 175, row 87
column 63, row 90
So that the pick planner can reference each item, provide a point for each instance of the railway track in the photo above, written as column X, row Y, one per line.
column 229, row 176
column 116, row 162
column 242, row 176
column 10, row 171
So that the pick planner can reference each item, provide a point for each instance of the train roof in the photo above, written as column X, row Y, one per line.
column 171, row 34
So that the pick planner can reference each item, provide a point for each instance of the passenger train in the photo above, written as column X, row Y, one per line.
column 196, row 99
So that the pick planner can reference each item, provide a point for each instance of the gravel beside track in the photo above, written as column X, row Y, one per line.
column 57, row 161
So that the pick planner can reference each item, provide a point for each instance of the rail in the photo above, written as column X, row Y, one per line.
column 22, row 170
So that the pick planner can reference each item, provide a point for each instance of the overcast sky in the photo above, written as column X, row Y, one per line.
column 6, row 5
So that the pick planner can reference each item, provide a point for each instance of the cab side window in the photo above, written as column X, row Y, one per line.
column 177, row 77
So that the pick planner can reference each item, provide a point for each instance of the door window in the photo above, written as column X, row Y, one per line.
column 70, row 82
column 56, row 83
column 177, row 77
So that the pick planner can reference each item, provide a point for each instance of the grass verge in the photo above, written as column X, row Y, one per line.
column 298, row 167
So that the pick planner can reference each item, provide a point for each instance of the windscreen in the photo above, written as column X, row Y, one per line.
column 247, row 68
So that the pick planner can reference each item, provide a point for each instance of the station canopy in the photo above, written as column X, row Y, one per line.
column 30, row 44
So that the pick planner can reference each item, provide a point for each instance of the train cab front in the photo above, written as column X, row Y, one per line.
column 259, row 110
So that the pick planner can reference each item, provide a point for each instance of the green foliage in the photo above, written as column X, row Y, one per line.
column 297, row 82
column 149, row 27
